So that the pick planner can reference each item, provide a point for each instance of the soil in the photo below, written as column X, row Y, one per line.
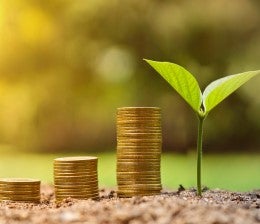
column 177, row 207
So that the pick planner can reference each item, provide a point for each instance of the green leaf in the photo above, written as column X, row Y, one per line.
column 218, row 90
column 181, row 80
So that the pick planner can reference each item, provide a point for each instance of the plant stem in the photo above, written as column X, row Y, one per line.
column 199, row 153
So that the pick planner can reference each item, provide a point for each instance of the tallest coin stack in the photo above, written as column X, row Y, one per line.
column 139, row 139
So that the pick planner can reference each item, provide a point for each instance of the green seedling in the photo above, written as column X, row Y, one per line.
column 202, row 103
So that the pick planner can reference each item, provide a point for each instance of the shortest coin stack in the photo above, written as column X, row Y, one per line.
column 76, row 177
column 20, row 190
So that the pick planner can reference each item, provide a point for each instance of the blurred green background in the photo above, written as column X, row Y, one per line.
column 65, row 66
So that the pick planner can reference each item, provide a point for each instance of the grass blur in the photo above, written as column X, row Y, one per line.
column 237, row 172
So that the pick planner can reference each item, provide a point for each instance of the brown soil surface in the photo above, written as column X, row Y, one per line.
column 178, row 207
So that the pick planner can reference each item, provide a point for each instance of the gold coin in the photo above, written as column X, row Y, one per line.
column 76, row 189
column 127, row 178
column 74, row 183
column 138, row 132
column 138, row 161
column 138, row 157
column 138, row 179
column 75, row 169
column 76, row 180
column 76, row 177
column 15, row 197
column 129, row 195
column 140, row 186
column 84, row 177
column 123, row 183
column 139, row 148
column 18, row 191
column 71, row 194
column 137, row 165
column 138, row 191
column 136, row 137
column 66, row 164
column 138, row 123
column 138, row 144
column 69, row 191
column 80, row 197
column 83, row 170
column 68, row 188
column 129, row 141
column 12, row 187
column 124, row 142
column 139, row 170
column 76, row 159
column 138, row 109
column 130, row 177
column 75, row 173
column 133, row 156
column 60, row 198
column 139, row 127
column 19, row 180
column 154, row 165
column 139, row 153
column 67, row 175
column 75, row 166
column 141, row 173
column 136, row 168
column 141, row 117
column 79, row 176
column 80, row 190
column 138, row 119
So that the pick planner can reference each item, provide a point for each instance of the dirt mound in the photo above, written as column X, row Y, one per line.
column 178, row 207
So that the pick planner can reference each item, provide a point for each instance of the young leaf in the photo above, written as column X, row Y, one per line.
column 181, row 80
column 218, row 90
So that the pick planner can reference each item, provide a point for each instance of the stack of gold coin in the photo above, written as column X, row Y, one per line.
column 20, row 190
column 76, row 177
column 139, row 139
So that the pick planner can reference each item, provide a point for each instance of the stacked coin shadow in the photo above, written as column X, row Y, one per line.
column 139, row 139
column 20, row 190
column 76, row 177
